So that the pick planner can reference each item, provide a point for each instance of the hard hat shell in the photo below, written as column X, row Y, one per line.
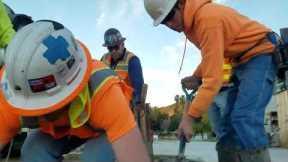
column 46, row 68
column 159, row 9
column 112, row 37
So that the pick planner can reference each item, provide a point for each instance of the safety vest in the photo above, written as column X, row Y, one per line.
column 122, row 66
column 227, row 71
column 6, row 28
column 79, row 110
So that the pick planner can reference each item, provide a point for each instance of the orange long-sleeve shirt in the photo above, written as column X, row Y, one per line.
column 114, row 117
column 219, row 32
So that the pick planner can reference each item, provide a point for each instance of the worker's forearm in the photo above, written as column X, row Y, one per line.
column 186, row 107
column 130, row 148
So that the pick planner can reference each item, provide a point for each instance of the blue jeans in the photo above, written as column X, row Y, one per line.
column 216, row 113
column 39, row 147
column 237, row 114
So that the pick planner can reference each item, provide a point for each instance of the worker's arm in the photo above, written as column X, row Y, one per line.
column 212, row 50
column 112, row 113
column 10, row 126
column 130, row 148
column 197, row 72
column 6, row 28
column 136, row 78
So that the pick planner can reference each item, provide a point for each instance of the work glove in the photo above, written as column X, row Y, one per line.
column 191, row 82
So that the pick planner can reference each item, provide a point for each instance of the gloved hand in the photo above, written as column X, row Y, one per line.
column 191, row 82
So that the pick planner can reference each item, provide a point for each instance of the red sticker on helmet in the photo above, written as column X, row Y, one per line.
column 42, row 84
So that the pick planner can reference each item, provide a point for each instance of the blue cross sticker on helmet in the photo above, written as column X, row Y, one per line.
column 57, row 49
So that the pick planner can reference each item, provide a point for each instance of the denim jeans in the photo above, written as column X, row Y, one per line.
column 216, row 113
column 237, row 113
column 40, row 147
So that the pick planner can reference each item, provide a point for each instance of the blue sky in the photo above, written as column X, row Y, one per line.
column 159, row 49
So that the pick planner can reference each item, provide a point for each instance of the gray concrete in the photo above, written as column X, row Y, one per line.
column 204, row 151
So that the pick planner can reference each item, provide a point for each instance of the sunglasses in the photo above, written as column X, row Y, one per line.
column 112, row 48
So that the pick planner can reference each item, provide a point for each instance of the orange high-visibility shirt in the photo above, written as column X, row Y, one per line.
column 111, row 112
column 219, row 32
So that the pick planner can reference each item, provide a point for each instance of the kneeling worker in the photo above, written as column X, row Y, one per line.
column 50, row 82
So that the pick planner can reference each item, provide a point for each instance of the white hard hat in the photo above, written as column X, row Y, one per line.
column 159, row 9
column 46, row 68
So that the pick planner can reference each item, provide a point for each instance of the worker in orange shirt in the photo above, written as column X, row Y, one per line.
column 51, row 83
column 126, row 64
column 221, row 32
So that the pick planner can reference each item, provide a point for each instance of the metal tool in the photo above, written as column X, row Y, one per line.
column 181, row 151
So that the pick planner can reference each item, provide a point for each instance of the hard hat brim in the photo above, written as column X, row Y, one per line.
column 160, row 19
column 27, row 111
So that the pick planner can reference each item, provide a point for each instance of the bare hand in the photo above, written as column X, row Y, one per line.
column 191, row 82
column 185, row 127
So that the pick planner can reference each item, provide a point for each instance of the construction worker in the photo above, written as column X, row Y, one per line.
column 221, row 32
column 50, row 82
column 218, row 105
column 126, row 64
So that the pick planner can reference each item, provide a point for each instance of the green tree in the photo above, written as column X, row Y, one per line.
column 175, row 121
column 157, row 119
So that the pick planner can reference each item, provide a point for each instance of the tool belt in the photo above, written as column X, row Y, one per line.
column 280, row 55
column 281, row 52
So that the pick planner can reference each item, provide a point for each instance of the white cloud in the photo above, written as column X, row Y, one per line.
column 164, row 82
column 163, row 85
column 100, row 19
column 117, row 10
column 173, row 54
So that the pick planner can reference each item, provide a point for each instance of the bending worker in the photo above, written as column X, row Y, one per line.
column 51, row 83
column 222, row 33
column 126, row 64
